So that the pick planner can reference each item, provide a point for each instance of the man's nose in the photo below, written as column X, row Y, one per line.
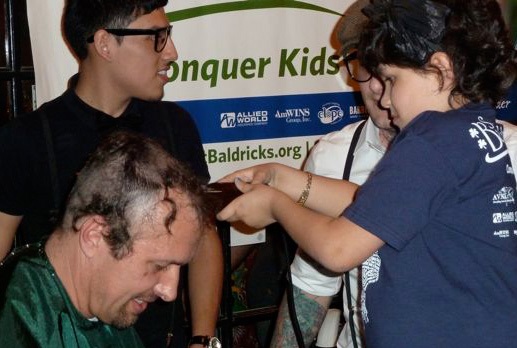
column 385, row 101
column 167, row 287
column 170, row 53
column 375, row 86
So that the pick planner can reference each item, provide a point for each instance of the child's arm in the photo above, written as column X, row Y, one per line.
column 335, row 242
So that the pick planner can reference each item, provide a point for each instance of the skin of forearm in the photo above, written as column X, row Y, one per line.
column 329, row 196
column 312, row 231
column 310, row 312
column 326, row 195
column 288, row 180
column 205, row 284
column 8, row 226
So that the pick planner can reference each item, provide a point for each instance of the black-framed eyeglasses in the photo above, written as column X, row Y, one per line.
column 355, row 70
column 161, row 35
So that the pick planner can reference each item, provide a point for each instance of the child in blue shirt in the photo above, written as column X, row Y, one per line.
column 435, row 223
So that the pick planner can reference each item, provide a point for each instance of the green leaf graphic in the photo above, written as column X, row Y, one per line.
column 200, row 11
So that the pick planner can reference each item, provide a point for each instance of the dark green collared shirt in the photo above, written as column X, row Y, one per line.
column 37, row 312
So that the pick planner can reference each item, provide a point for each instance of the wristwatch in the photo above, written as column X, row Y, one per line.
column 206, row 341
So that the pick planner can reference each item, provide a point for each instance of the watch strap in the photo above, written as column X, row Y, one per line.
column 203, row 340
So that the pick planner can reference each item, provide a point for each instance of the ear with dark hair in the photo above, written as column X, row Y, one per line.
column 444, row 66
column 91, row 230
column 102, row 42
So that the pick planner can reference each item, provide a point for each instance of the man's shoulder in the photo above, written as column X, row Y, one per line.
column 32, row 120
column 327, row 157
column 342, row 136
column 21, row 123
column 21, row 263
column 510, row 138
column 509, row 132
column 23, row 275
column 30, row 305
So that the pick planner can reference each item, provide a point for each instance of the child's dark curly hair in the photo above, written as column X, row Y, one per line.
column 473, row 34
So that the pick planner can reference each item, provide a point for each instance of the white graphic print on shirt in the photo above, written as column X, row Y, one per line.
column 370, row 274
column 489, row 137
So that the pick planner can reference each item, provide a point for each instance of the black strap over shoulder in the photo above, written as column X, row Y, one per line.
column 350, row 156
column 346, row 176
column 54, row 179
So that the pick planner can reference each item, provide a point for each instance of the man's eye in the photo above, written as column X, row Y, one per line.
column 388, row 80
column 159, row 268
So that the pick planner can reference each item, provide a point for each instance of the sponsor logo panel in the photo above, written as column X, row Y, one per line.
column 253, row 118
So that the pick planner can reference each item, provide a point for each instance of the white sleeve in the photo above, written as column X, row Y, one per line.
column 510, row 138
column 327, row 157
column 310, row 277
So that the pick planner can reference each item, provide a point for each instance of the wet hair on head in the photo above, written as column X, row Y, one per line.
column 82, row 18
column 406, row 33
column 123, row 181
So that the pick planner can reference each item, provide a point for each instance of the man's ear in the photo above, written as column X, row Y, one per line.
column 442, row 62
column 91, row 232
column 102, row 41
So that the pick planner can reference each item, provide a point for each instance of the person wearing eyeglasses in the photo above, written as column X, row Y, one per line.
column 124, row 49
column 134, row 216
column 363, row 144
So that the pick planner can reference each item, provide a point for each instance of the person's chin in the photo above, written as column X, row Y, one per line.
column 153, row 97
column 128, row 316
column 124, row 321
column 123, row 325
column 159, row 94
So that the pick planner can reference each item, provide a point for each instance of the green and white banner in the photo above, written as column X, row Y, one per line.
column 260, row 77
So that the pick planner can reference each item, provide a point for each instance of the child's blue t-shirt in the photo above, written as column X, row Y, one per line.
column 443, row 201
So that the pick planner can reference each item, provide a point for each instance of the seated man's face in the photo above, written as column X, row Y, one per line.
column 123, row 288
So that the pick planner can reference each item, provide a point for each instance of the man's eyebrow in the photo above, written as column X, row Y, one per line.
column 154, row 27
column 169, row 262
column 165, row 261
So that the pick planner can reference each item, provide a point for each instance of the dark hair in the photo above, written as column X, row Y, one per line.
column 82, row 18
column 472, row 33
column 123, row 180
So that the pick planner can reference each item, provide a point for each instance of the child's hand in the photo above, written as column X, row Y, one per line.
column 254, row 207
column 259, row 174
